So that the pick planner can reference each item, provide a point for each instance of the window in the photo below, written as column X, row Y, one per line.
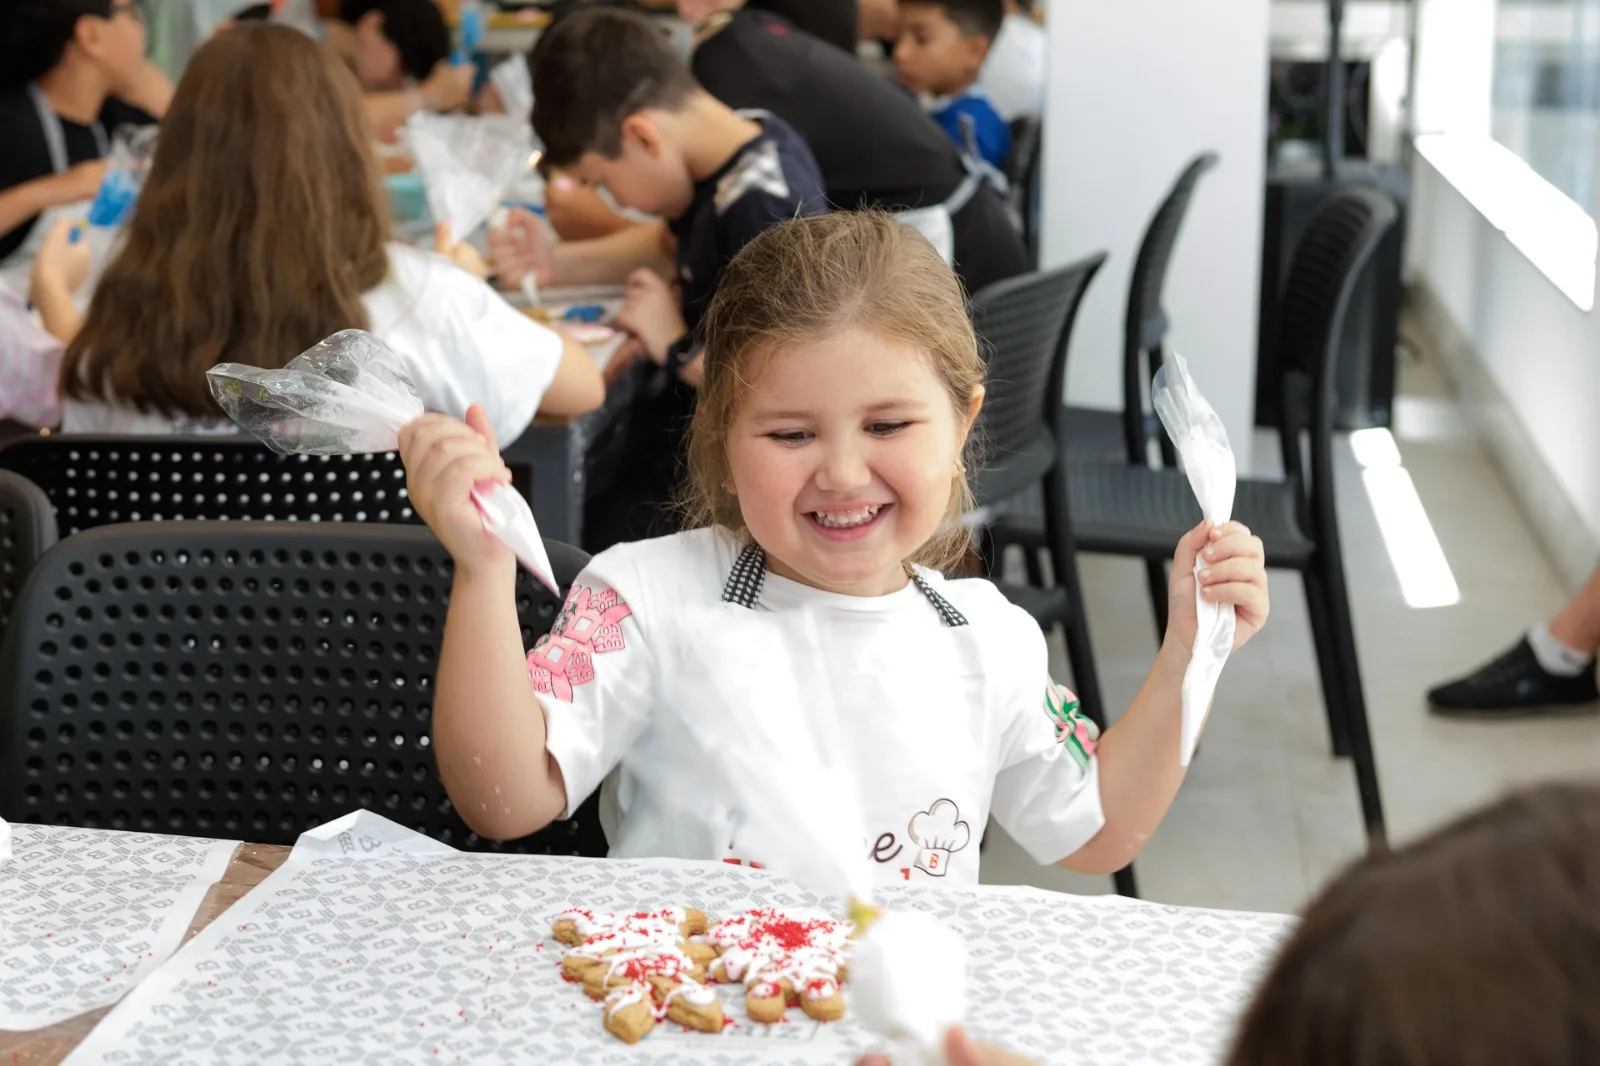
column 1547, row 91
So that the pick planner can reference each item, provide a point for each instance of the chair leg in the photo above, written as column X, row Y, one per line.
column 1324, row 635
column 989, row 553
column 1034, row 561
column 1156, row 577
column 1075, row 627
column 1360, row 732
column 1125, row 883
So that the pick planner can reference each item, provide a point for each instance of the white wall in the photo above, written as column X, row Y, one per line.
column 1530, row 370
column 1138, row 87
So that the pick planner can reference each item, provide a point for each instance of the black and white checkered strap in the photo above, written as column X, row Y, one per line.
column 750, row 572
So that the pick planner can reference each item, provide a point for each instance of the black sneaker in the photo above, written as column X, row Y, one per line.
column 1513, row 685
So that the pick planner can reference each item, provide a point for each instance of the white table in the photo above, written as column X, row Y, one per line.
column 373, row 944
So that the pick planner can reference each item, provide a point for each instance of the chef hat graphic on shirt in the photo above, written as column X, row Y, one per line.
column 938, row 831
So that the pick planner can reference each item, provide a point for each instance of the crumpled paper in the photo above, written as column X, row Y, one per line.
column 468, row 162
column 1202, row 442
column 751, row 688
column 350, row 395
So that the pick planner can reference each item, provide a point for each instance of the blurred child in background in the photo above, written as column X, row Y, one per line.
column 262, row 229
column 71, row 72
column 1479, row 945
column 616, row 108
column 940, row 53
column 400, row 52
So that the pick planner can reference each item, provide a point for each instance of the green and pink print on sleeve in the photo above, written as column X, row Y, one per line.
column 1073, row 727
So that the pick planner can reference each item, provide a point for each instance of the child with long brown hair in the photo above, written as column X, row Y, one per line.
column 828, row 458
column 262, row 229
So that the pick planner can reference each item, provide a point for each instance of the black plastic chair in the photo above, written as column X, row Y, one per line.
column 104, row 480
column 1022, row 172
column 1097, row 434
column 27, row 531
column 242, row 679
column 1122, row 509
column 1025, row 323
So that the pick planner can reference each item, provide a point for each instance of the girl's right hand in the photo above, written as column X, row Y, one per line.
column 60, row 266
column 444, row 459
column 524, row 245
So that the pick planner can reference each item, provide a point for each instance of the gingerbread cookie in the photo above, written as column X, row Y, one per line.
column 653, row 966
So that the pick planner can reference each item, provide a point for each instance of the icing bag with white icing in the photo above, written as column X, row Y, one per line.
column 348, row 396
column 1202, row 442
column 751, row 713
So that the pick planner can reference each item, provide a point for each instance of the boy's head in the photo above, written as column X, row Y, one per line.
column 943, row 43
column 1479, row 944
column 106, row 36
column 395, row 40
column 842, row 377
column 608, row 92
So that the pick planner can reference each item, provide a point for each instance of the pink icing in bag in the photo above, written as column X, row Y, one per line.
column 349, row 395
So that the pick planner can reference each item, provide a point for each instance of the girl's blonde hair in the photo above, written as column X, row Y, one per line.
column 804, row 281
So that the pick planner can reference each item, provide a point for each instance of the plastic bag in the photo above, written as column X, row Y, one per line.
column 752, row 736
column 1202, row 442
column 132, row 148
column 467, row 162
column 512, row 80
column 349, row 395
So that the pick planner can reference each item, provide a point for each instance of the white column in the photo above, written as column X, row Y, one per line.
column 1139, row 87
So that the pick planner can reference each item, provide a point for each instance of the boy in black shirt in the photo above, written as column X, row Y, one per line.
column 614, row 107
column 876, row 147
column 71, row 72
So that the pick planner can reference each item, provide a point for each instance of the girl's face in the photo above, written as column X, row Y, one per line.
column 843, row 455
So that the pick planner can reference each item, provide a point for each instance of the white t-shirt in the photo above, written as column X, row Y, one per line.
column 944, row 724
column 459, row 342
column 1015, row 72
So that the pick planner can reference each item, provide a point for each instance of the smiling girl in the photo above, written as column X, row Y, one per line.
column 842, row 380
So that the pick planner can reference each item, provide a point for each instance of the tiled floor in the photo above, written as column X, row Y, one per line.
column 1267, row 815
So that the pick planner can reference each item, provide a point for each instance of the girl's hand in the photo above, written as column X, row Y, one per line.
column 60, row 266
column 460, row 253
column 444, row 459
column 524, row 245
column 1235, row 572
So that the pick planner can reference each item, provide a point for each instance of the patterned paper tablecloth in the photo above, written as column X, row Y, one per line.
column 86, row 913
column 356, row 951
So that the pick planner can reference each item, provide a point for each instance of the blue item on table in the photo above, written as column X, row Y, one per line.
column 585, row 313
column 408, row 197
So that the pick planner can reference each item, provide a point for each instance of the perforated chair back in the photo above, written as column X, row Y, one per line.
column 1308, row 332
column 241, row 679
column 27, row 531
column 103, row 480
column 1145, row 322
column 1023, row 325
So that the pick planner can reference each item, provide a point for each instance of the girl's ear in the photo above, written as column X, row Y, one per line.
column 973, row 407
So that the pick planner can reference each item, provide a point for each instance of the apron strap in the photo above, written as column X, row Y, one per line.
column 55, row 137
column 749, row 573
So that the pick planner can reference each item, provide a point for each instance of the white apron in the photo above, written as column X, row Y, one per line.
column 17, row 268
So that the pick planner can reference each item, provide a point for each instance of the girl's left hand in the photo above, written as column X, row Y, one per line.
column 60, row 266
column 461, row 254
column 1234, row 571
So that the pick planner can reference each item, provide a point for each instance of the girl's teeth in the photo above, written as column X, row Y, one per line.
column 847, row 519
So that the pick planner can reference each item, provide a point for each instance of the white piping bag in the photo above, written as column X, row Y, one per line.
column 753, row 732
column 1202, row 442
column 348, row 396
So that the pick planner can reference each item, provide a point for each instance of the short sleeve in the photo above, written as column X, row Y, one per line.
column 768, row 186
column 464, row 344
column 1047, row 792
column 593, row 674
